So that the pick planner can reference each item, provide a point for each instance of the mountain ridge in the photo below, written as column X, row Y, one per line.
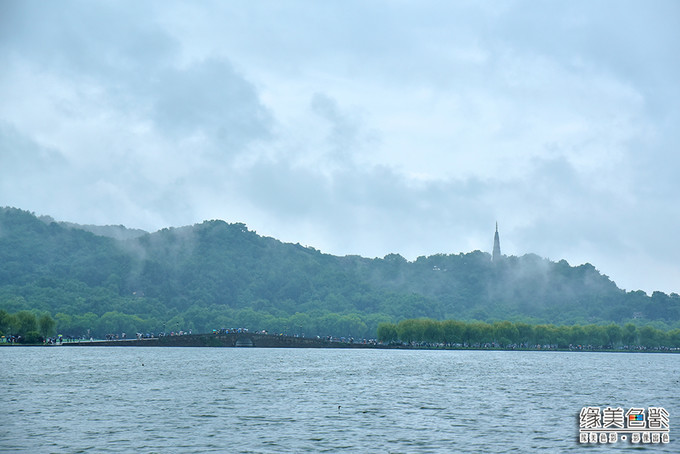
column 215, row 273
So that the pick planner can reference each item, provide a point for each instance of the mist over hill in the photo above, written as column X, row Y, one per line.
column 215, row 274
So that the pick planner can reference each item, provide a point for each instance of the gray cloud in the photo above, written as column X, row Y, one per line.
column 210, row 98
column 362, row 128
column 83, row 39
column 343, row 129
column 22, row 168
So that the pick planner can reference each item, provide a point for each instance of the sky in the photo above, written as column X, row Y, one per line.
column 356, row 127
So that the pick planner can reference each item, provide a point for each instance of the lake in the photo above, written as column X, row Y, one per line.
column 145, row 399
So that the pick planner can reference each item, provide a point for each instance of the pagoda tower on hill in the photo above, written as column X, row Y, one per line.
column 496, row 256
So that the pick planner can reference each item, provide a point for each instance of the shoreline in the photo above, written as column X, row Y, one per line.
column 257, row 340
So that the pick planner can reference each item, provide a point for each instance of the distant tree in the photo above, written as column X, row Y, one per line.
column 505, row 333
column 562, row 336
column 453, row 331
column 300, row 323
column 411, row 330
column 352, row 325
column 649, row 337
column 46, row 325
column 479, row 333
column 372, row 321
column 614, row 334
column 63, row 322
column 662, row 338
column 31, row 337
column 85, row 324
column 26, row 322
column 576, row 335
column 387, row 332
column 542, row 334
column 525, row 332
column 595, row 335
column 659, row 306
column 674, row 338
column 629, row 335
column 433, row 331
column 5, row 322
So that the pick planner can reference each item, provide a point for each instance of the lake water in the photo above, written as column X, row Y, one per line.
column 127, row 399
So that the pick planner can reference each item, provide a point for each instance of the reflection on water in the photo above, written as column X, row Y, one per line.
column 112, row 399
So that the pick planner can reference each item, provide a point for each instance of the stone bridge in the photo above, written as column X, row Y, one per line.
column 226, row 340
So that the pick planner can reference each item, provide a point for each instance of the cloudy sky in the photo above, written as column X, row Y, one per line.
column 356, row 127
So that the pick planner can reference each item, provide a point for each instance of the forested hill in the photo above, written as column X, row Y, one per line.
column 214, row 275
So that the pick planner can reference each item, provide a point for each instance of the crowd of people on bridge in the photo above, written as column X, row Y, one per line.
column 235, row 331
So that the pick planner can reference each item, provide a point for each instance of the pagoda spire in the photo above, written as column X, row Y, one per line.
column 496, row 246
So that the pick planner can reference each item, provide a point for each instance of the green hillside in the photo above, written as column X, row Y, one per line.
column 215, row 275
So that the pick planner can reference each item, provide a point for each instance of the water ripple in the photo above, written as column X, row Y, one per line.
column 95, row 399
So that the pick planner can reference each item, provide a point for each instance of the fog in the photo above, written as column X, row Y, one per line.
column 356, row 128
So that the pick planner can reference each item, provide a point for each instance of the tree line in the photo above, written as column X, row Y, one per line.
column 506, row 334
column 34, row 326
column 27, row 326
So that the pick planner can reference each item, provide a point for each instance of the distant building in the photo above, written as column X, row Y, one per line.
column 496, row 246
